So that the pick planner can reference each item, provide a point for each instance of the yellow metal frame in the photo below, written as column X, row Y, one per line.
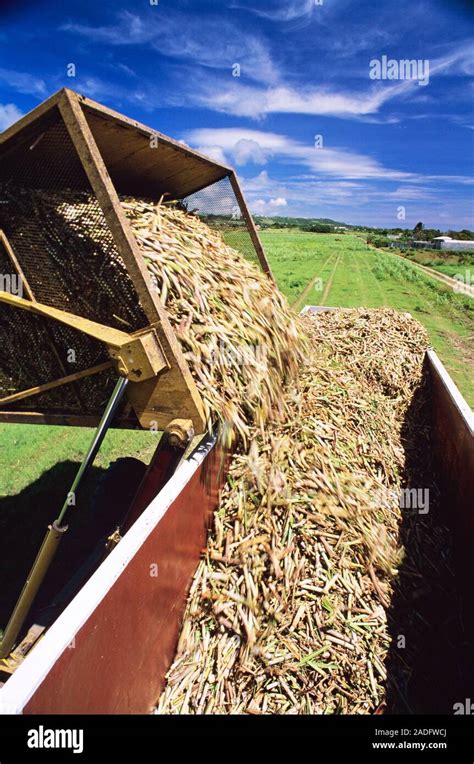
column 138, row 357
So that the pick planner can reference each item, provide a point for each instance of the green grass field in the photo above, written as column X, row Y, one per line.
column 346, row 273
column 29, row 451
column 445, row 261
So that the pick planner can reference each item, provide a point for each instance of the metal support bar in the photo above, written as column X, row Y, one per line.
column 57, row 383
column 250, row 224
column 99, row 436
column 33, row 582
column 56, row 531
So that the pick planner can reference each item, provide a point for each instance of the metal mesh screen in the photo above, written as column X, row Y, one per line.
column 69, row 260
column 218, row 207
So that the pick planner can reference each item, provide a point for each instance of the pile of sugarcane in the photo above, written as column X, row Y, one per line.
column 289, row 609
column 236, row 329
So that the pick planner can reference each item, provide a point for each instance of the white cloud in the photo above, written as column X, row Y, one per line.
column 23, row 82
column 262, row 180
column 9, row 114
column 258, row 205
column 268, row 207
column 350, row 201
column 243, row 145
column 334, row 161
column 213, row 152
column 409, row 193
column 205, row 201
column 458, row 61
column 280, row 10
column 130, row 29
column 247, row 150
column 256, row 102
column 218, row 43
column 335, row 181
column 464, row 179
column 215, row 42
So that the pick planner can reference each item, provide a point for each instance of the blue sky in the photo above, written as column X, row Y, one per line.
column 304, row 72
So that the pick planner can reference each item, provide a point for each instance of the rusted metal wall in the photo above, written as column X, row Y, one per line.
column 453, row 440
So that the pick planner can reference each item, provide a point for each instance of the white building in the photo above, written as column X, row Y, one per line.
column 446, row 242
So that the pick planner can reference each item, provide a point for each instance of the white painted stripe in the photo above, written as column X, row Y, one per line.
column 454, row 393
column 28, row 677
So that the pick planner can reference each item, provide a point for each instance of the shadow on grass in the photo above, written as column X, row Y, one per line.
column 100, row 505
column 429, row 665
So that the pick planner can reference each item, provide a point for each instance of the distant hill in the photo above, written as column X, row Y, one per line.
column 288, row 222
